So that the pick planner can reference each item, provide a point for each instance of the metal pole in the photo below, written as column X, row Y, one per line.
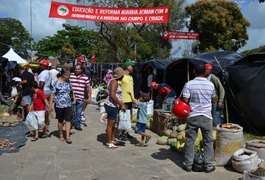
column 30, row 30
column 135, row 50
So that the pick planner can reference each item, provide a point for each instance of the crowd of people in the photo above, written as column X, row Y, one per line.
column 68, row 93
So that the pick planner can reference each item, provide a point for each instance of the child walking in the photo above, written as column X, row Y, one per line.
column 39, row 102
column 141, row 118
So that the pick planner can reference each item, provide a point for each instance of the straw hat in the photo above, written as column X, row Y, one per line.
column 118, row 73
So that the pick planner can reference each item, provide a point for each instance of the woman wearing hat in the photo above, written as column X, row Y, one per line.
column 112, row 105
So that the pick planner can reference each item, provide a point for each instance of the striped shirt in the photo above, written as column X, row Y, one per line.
column 79, row 83
column 109, row 101
column 200, row 92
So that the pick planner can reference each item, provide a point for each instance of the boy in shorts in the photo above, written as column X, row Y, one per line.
column 141, row 118
column 39, row 102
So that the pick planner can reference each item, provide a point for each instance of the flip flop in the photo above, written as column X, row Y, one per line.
column 34, row 139
column 44, row 135
column 147, row 139
column 140, row 145
column 111, row 146
column 68, row 141
column 61, row 139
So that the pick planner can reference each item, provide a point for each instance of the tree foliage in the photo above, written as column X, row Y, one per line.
column 260, row 49
column 139, row 41
column 220, row 23
column 69, row 42
column 13, row 34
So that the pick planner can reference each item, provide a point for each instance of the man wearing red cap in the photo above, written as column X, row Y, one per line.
column 166, row 93
column 199, row 94
column 217, row 106
column 44, row 81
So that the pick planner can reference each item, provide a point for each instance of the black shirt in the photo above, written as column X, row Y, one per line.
column 26, row 88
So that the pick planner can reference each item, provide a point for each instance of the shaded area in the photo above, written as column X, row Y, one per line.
column 15, row 134
column 247, row 82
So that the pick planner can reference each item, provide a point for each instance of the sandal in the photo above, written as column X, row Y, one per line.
column 61, row 139
column 34, row 139
column 111, row 146
column 147, row 139
column 140, row 145
column 44, row 135
column 68, row 141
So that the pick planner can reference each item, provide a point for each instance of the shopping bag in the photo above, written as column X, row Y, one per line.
column 125, row 120
column 14, row 91
column 104, row 118
column 31, row 120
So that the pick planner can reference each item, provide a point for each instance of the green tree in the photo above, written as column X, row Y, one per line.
column 220, row 23
column 13, row 34
column 260, row 49
column 139, row 41
column 69, row 42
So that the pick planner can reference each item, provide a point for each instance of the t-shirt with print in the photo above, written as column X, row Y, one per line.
column 142, row 112
column 62, row 93
column 38, row 100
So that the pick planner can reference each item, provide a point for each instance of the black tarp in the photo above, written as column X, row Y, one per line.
column 157, row 67
column 180, row 71
column 247, row 81
column 15, row 134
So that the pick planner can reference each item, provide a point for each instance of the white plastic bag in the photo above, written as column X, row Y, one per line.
column 31, row 120
column 125, row 120
column 104, row 118
column 14, row 91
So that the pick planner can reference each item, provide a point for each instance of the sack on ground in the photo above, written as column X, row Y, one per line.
column 125, row 120
column 31, row 120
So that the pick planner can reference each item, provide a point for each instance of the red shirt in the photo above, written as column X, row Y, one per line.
column 38, row 100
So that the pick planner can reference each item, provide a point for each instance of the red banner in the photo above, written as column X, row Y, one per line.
column 136, row 15
column 180, row 35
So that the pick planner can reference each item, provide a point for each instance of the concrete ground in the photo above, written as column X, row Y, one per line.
column 88, row 158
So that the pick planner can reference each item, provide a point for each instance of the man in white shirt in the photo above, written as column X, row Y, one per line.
column 44, row 81
column 199, row 93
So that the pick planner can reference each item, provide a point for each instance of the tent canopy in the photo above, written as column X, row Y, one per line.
column 11, row 55
column 246, row 79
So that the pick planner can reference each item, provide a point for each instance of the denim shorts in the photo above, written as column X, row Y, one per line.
column 140, row 128
column 112, row 112
column 27, row 100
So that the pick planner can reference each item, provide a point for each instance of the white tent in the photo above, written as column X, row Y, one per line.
column 11, row 55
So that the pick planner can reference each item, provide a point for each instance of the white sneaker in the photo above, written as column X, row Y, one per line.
column 83, row 119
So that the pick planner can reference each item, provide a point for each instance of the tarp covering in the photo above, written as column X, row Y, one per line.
column 157, row 67
column 180, row 71
column 14, row 134
column 247, row 80
column 11, row 55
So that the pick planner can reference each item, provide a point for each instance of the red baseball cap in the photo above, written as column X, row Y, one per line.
column 208, row 67
column 153, row 84
column 44, row 62
column 81, row 59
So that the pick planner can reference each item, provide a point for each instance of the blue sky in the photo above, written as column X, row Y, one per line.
column 43, row 26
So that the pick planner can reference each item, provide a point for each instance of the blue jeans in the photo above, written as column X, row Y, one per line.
column 217, row 114
column 77, row 110
column 206, row 125
column 168, row 105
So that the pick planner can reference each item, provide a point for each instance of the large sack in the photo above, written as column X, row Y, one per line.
column 228, row 140
column 258, row 146
column 245, row 160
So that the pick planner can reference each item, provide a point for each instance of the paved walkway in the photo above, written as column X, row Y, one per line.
column 88, row 158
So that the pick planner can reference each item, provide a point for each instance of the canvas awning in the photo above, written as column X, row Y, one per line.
column 11, row 55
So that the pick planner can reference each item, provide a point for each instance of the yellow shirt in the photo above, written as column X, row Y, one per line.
column 127, row 86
